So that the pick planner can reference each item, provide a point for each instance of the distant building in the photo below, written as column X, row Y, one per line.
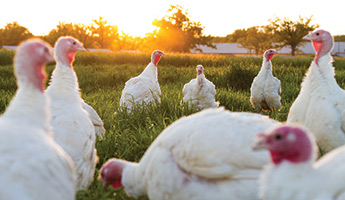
column 222, row 48
column 130, row 51
column 236, row 49
column 104, row 50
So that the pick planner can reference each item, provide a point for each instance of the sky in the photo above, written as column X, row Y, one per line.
column 134, row 17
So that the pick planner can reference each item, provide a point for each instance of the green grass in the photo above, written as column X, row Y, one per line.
column 102, row 77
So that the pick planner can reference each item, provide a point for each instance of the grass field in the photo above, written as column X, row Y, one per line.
column 102, row 77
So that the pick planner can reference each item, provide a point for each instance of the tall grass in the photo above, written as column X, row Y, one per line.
column 6, row 57
column 102, row 77
column 178, row 60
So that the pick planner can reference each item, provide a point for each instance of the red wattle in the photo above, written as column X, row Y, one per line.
column 156, row 60
column 39, row 79
column 70, row 56
column 276, row 159
column 293, row 157
column 317, row 45
column 117, row 184
column 270, row 57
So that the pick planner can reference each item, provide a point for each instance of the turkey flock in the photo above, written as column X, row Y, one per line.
column 48, row 136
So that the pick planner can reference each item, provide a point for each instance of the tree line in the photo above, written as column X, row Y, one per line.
column 175, row 32
column 277, row 34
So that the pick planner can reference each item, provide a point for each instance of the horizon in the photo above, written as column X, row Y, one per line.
column 135, row 17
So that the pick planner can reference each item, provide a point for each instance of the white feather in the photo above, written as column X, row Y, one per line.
column 200, row 93
column 323, row 180
column 142, row 88
column 265, row 89
column 320, row 105
column 72, row 126
column 203, row 156
column 32, row 165
column 95, row 119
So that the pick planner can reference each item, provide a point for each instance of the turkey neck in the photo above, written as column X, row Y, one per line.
column 29, row 105
column 35, row 78
column 322, row 72
column 266, row 66
column 150, row 71
column 63, row 57
column 64, row 81
column 200, row 79
column 132, row 179
column 323, row 49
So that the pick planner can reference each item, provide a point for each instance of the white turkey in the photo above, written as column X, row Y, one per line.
column 206, row 155
column 32, row 164
column 293, row 173
column 320, row 105
column 73, row 129
column 200, row 92
column 95, row 119
column 265, row 90
column 143, row 88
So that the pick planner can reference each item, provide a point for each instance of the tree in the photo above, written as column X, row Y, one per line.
column 291, row 33
column 107, row 36
column 1, row 37
column 97, row 35
column 237, row 34
column 79, row 31
column 128, row 42
column 255, row 38
column 13, row 33
column 219, row 39
column 176, row 32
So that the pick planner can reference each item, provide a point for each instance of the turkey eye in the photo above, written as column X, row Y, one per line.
column 278, row 137
column 46, row 50
column 317, row 34
column 74, row 43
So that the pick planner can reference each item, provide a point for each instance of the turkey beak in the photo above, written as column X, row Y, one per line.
column 308, row 37
column 260, row 143
column 275, row 52
column 81, row 49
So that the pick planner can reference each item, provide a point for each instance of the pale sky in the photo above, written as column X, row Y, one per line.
column 134, row 17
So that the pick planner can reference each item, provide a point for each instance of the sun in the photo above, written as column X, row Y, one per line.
column 134, row 17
